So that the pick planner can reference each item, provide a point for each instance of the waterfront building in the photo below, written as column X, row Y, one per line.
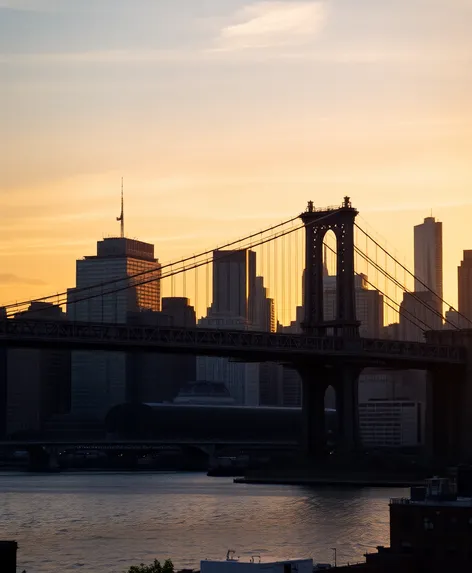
column 99, row 378
column 391, row 423
column 38, row 383
column 431, row 530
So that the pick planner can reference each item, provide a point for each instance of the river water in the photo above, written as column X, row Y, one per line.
column 103, row 522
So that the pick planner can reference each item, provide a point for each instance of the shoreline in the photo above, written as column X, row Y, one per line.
column 329, row 481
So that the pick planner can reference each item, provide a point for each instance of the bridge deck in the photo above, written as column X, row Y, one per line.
column 240, row 344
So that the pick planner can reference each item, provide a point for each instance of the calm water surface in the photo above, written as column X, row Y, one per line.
column 103, row 523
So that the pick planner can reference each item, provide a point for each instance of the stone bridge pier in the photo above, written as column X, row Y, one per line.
column 449, row 402
column 315, row 381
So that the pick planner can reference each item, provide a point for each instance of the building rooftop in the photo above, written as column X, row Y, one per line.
column 123, row 247
column 437, row 491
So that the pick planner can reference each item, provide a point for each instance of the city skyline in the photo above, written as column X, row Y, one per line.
column 226, row 115
column 279, row 264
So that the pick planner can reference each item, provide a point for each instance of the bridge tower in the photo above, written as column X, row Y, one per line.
column 316, row 377
column 317, row 223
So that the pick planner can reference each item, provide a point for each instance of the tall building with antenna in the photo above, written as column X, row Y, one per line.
column 121, row 278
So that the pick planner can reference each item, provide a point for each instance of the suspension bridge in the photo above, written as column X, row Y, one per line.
column 330, row 345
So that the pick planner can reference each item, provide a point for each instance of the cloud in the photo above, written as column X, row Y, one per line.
column 273, row 23
column 10, row 279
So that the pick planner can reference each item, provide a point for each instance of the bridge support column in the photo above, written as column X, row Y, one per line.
column 345, row 383
column 444, row 422
column 313, row 411
column 449, row 402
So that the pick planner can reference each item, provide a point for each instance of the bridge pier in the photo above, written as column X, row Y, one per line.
column 313, row 412
column 315, row 382
column 449, row 402
column 445, row 417
column 347, row 409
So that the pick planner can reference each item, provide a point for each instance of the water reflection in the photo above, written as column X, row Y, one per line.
column 105, row 522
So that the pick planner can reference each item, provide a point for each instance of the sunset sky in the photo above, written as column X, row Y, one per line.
column 224, row 116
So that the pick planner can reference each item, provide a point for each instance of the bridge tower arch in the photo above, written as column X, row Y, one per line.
column 317, row 223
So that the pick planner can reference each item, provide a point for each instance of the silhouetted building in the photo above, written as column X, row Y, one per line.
column 433, row 527
column 430, row 531
column 154, row 377
column 234, row 283
column 464, row 275
column 234, row 307
column 429, row 259
column 241, row 378
column 99, row 378
column 369, row 305
column 454, row 320
column 38, row 381
column 391, row 331
column 264, row 308
column 418, row 313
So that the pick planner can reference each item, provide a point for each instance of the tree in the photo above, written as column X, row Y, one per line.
column 155, row 567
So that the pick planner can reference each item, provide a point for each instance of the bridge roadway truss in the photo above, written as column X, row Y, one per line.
column 244, row 345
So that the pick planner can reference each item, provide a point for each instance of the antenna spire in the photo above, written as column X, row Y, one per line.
column 121, row 218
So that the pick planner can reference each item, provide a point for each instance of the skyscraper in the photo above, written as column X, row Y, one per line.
column 464, row 273
column 117, row 259
column 264, row 308
column 99, row 378
column 429, row 259
column 234, row 283
column 234, row 307
column 369, row 305
column 418, row 312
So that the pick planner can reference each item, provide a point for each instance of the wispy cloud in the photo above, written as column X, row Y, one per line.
column 11, row 279
column 273, row 23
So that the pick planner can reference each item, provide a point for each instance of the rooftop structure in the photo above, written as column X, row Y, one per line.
column 232, row 565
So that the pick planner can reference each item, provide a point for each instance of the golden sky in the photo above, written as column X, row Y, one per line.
column 225, row 116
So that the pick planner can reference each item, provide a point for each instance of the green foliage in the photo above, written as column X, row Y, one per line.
column 155, row 567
